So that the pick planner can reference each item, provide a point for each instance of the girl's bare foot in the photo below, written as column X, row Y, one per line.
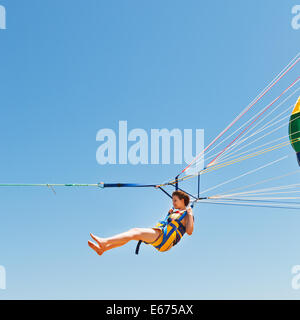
column 96, row 248
column 99, row 246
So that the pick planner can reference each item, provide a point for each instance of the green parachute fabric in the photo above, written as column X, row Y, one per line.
column 294, row 129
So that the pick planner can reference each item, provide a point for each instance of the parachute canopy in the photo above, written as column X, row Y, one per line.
column 294, row 129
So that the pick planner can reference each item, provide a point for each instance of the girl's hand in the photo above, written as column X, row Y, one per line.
column 171, row 210
column 190, row 211
column 190, row 222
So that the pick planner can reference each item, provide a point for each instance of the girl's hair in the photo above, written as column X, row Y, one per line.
column 182, row 195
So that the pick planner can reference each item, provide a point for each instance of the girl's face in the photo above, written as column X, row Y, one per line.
column 178, row 203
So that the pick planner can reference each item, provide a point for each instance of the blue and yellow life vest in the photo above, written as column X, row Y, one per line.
column 172, row 231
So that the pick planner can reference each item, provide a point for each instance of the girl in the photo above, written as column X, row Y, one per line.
column 163, row 236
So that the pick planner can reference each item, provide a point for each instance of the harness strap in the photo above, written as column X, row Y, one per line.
column 180, row 230
column 137, row 249
column 182, row 216
column 166, row 235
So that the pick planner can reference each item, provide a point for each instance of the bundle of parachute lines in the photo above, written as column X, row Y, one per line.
column 251, row 162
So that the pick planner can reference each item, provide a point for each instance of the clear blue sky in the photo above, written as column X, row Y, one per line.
column 69, row 68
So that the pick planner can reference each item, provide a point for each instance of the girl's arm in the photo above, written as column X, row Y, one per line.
column 189, row 227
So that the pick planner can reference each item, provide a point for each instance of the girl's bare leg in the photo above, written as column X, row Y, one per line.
column 104, row 244
column 112, row 246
